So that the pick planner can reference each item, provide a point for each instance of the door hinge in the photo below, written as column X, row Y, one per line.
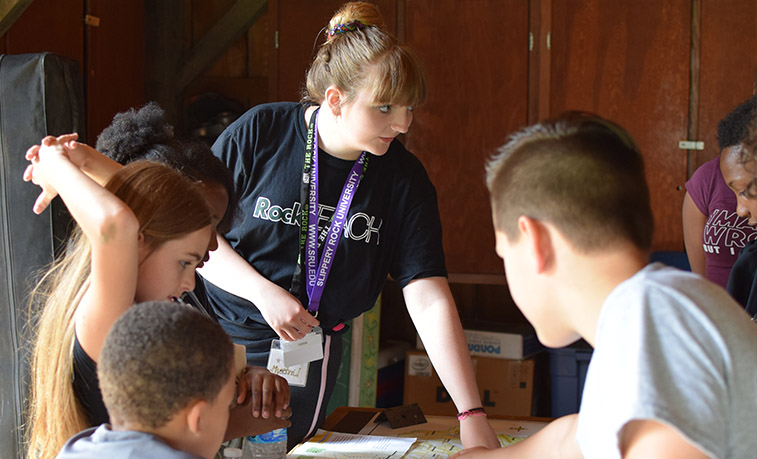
column 691, row 145
column 90, row 20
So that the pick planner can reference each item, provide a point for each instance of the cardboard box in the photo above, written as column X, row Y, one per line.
column 506, row 386
column 501, row 341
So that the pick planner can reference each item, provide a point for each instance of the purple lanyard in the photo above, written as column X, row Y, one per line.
column 316, row 274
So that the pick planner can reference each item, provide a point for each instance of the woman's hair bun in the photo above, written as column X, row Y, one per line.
column 365, row 13
column 135, row 132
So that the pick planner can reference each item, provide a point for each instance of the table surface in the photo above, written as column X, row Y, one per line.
column 438, row 437
column 338, row 416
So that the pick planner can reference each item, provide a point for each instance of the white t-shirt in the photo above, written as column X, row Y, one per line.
column 673, row 348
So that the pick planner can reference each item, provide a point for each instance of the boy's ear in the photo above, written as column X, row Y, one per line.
column 195, row 416
column 538, row 240
column 333, row 100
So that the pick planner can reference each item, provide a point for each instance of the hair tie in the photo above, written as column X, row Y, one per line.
column 471, row 412
column 344, row 28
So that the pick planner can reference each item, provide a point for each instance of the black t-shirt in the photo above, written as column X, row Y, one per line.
column 742, row 283
column 393, row 225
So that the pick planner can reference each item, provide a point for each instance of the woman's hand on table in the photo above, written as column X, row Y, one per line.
column 476, row 431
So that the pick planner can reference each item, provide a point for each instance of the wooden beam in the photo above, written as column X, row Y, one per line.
column 164, row 40
column 10, row 10
column 231, row 26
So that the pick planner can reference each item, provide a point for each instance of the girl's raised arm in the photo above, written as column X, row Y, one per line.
column 97, row 166
column 111, row 228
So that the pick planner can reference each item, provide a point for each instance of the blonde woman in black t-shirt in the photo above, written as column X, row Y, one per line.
column 265, row 279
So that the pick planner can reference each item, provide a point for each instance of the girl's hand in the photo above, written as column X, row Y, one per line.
column 42, row 158
column 65, row 139
column 284, row 313
column 79, row 153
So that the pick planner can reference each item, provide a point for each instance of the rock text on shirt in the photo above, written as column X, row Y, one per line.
column 359, row 227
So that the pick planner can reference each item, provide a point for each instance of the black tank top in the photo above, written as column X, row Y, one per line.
column 87, row 387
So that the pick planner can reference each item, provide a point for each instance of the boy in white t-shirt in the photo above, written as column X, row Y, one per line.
column 674, row 369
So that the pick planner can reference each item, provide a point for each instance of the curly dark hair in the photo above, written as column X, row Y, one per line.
column 143, row 134
column 734, row 128
column 157, row 358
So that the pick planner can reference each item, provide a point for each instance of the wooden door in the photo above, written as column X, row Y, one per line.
column 115, row 50
column 476, row 57
column 48, row 25
column 727, row 67
column 110, row 50
column 628, row 61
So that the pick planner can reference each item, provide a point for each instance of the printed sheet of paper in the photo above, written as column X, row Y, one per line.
column 349, row 446
column 440, row 436
column 437, row 438
column 444, row 443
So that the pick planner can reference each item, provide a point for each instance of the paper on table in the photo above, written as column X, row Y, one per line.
column 343, row 445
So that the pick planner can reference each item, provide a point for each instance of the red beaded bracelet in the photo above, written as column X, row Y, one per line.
column 472, row 412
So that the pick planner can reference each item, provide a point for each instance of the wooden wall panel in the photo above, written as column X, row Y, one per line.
column 49, row 25
column 111, row 55
column 242, row 72
column 204, row 14
column 260, row 48
column 628, row 61
column 728, row 60
column 299, row 22
column 115, row 78
column 476, row 56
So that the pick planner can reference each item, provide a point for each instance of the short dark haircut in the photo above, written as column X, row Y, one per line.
column 144, row 134
column 580, row 173
column 734, row 128
column 158, row 358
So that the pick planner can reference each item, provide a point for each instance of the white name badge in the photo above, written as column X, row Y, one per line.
column 291, row 359
column 296, row 375
column 305, row 350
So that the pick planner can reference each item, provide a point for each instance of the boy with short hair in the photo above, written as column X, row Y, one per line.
column 674, row 369
column 167, row 377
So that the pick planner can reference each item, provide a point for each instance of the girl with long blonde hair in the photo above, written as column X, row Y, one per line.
column 139, row 237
